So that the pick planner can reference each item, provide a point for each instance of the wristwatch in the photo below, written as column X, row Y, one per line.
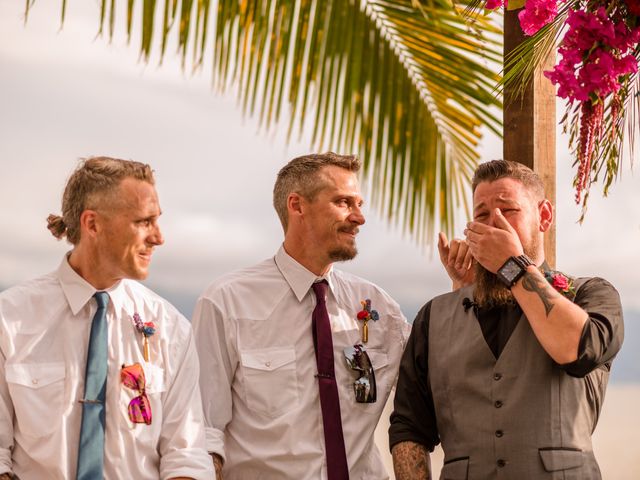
column 513, row 269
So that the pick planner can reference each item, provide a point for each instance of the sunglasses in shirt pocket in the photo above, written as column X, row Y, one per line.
column 37, row 394
column 154, row 387
column 270, row 380
column 379, row 361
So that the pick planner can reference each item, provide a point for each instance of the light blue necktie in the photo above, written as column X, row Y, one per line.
column 91, row 449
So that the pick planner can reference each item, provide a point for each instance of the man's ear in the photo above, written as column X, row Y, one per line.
column 295, row 205
column 545, row 210
column 89, row 223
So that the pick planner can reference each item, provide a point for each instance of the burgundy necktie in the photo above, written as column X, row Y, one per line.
column 337, row 468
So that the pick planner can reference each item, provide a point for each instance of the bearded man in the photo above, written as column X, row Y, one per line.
column 508, row 373
column 298, row 358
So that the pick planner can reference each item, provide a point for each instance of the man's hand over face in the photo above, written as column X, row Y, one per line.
column 457, row 260
column 492, row 246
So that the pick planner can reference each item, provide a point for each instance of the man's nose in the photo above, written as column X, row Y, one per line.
column 491, row 221
column 357, row 216
column 156, row 238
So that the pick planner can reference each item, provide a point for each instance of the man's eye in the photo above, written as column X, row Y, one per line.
column 480, row 216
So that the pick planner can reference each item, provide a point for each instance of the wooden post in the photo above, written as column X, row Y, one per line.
column 530, row 125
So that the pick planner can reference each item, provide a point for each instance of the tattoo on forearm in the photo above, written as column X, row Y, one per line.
column 411, row 461
column 531, row 283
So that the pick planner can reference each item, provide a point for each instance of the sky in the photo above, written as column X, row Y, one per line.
column 65, row 94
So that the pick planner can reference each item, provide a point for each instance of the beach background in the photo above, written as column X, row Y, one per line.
column 66, row 94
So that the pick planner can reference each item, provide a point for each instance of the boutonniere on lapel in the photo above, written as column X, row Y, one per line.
column 146, row 329
column 561, row 283
column 365, row 315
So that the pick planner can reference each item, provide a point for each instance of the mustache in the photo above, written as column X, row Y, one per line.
column 349, row 229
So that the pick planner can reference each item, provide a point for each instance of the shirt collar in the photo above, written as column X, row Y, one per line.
column 298, row 277
column 78, row 291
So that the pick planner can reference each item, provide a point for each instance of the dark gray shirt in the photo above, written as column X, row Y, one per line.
column 414, row 416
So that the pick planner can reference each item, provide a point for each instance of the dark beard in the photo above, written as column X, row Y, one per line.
column 343, row 254
column 489, row 291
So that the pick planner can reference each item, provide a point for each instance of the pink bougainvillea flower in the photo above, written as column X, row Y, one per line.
column 493, row 4
column 536, row 14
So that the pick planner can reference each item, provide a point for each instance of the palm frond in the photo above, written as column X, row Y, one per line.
column 407, row 84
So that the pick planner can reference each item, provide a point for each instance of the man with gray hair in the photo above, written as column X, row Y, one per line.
column 99, row 375
column 298, row 358
column 508, row 372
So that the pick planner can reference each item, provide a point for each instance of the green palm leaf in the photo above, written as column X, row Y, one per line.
column 406, row 84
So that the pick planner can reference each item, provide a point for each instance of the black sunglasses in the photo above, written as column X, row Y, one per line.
column 365, row 385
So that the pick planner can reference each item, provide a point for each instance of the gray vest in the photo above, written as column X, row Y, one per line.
column 519, row 417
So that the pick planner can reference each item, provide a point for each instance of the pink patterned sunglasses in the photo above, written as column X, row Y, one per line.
column 132, row 376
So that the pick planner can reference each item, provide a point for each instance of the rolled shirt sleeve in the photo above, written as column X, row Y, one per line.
column 413, row 418
column 219, row 361
column 603, row 332
column 182, row 437
column 6, row 415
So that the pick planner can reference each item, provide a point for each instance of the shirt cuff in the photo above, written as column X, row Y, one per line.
column 187, row 462
column 5, row 461
column 214, row 440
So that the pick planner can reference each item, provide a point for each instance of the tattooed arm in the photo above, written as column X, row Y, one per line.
column 556, row 321
column 411, row 461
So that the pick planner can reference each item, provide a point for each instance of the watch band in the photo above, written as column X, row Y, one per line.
column 523, row 261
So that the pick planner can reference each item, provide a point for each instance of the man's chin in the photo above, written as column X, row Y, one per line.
column 343, row 254
column 489, row 291
column 138, row 273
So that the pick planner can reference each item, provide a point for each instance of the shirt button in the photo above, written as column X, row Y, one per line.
column 499, row 433
column 501, row 463
column 497, row 376
column 34, row 381
column 267, row 364
column 497, row 404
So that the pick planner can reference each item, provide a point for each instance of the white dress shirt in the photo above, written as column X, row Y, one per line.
column 44, row 333
column 260, row 394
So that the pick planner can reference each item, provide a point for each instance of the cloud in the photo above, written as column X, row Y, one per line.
column 65, row 95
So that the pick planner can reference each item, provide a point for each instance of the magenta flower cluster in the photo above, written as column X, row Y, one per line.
column 596, row 53
column 536, row 14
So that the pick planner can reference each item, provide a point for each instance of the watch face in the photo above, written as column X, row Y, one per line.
column 510, row 270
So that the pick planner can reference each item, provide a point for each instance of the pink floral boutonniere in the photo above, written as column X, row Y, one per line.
column 146, row 329
column 365, row 315
column 561, row 283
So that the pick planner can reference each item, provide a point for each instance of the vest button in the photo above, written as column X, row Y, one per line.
column 497, row 376
column 501, row 463
column 497, row 404
column 499, row 433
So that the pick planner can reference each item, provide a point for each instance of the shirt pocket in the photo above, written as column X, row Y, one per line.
column 154, row 388
column 270, row 380
column 37, row 393
column 154, row 377
column 380, row 362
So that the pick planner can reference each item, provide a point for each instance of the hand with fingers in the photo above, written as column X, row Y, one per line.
column 457, row 260
column 492, row 246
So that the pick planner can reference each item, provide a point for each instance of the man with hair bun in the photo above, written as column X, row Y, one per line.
column 98, row 374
